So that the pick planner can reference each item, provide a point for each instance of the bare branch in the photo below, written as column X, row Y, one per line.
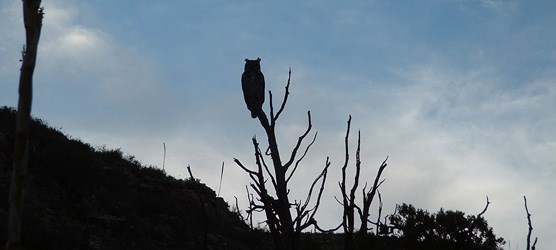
column 368, row 197
column 321, row 190
column 484, row 210
column 530, row 227
column 326, row 231
column 339, row 202
column 343, row 183
column 299, row 140
column 259, row 160
column 379, row 210
column 302, row 156
column 286, row 94
column 241, row 166
column 236, row 208
column 190, row 174
column 357, row 168
column 270, row 104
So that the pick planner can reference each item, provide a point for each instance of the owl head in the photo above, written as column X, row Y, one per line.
column 253, row 65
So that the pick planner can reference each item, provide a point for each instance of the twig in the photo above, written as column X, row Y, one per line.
column 379, row 210
column 259, row 160
column 530, row 227
column 302, row 156
column 484, row 210
column 299, row 140
column 286, row 94
column 368, row 197
column 238, row 211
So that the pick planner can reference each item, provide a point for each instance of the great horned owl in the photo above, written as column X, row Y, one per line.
column 252, row 83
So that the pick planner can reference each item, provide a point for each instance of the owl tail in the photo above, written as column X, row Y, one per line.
column 255, row 113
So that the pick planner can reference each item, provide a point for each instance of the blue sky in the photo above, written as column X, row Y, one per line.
column 460, row 95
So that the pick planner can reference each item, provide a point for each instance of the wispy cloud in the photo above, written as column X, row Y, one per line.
column 459, row 95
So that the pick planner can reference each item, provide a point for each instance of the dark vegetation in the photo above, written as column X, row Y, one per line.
column 79, row 197
column 443, row 230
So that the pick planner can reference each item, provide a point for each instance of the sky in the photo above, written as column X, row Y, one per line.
column 460, row 95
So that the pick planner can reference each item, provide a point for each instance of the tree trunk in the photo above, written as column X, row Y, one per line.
column 32, row 18
column 289, row 239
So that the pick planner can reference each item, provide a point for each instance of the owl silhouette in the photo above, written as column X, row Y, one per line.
column 252, row 83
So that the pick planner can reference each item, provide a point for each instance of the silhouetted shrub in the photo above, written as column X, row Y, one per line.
column 444, row 229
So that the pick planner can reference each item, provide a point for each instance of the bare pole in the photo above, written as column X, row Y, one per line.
column 32, row 19
column 164, row 155
column 221, row 174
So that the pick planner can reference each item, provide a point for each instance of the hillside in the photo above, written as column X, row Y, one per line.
column 81, row 197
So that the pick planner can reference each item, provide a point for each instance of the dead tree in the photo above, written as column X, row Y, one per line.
column 368, row 200
column 348, row 199
column 32, row 19
column 284, row 228
column 529, row 247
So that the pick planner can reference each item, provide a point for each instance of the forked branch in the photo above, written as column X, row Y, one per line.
column 302, row 156
column 368, row 198
column 299, row 141
column 305, row 217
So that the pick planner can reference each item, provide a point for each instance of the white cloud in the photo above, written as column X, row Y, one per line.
column 76, row 43
column 474, row 137
column 453, row 134
column 83, row 70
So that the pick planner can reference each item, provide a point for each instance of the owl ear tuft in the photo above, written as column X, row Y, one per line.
column 246, row 59
column 258, row 59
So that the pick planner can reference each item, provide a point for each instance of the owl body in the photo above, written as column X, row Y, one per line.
column 252, row 83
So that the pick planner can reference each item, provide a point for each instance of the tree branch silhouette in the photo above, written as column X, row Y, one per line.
column 285, row 229
column 368, row 198
column 485, row 209
column 348, row 201
column 530, row 229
